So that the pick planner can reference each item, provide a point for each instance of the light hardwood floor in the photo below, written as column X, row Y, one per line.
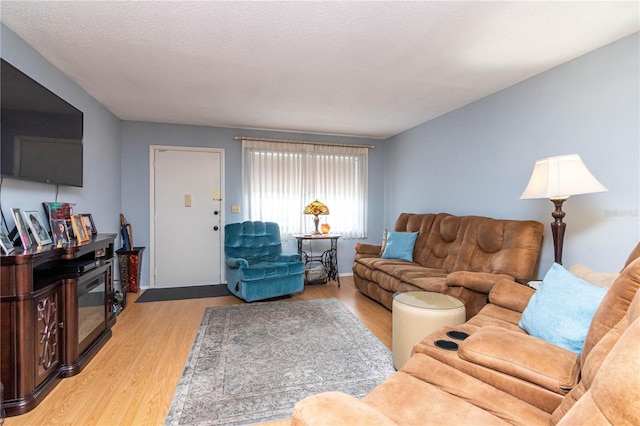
column 132, row 379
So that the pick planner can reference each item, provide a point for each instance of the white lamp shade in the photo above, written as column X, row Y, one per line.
column 561, row 177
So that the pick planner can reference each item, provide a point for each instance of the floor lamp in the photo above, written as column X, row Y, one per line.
column 557, row 178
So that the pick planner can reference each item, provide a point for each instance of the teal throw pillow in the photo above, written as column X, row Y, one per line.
column 400, row 245
column 562, row 308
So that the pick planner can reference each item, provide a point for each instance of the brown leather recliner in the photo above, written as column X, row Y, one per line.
column 429, row 391
column 500, row 353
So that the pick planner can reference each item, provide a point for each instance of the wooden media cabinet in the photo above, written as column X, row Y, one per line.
column 56, row 312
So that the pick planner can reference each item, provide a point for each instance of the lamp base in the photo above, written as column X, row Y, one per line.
column 557, row 229
column 316, row 221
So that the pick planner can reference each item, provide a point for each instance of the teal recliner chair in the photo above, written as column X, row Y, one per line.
column 256, row 267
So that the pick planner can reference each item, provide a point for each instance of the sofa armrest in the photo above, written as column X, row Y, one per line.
column 366, row 248
column 522, row 356
column 511, row 295
column 236, row 262
column 336, row 408
column 482, row 282
column 288, row 257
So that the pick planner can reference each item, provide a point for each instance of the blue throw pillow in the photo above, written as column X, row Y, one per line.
column 400, row 245
column 562, row 308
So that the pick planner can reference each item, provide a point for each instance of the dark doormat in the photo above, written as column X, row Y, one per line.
column 179, row 293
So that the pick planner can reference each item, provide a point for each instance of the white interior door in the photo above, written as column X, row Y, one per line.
column 186, row 216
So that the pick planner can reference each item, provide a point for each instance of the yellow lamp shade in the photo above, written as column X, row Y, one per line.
column 316, row 208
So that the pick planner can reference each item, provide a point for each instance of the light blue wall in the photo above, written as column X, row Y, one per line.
column 100, row 194
column 138, row 136
column 478, row 159
column 475, row 160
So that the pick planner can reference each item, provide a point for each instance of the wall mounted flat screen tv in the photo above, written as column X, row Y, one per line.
column 41, row 133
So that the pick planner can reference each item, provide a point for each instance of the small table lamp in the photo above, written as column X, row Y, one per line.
column 316, row 208
column 557, row 178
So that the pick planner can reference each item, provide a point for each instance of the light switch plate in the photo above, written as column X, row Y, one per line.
column 235, row 208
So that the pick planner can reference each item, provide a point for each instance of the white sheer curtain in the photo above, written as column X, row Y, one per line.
column 280, row 179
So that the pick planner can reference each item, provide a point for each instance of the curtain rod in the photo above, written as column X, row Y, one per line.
column 346, row 145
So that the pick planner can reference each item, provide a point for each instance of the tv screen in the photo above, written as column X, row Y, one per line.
column 41, row 133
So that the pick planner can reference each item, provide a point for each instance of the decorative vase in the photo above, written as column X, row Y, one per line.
column 325, row 227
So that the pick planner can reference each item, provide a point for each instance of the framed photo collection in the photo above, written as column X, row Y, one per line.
column 30, row 228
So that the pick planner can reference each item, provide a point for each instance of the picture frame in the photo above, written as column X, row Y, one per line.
column 6, row 244
column 60, row 231
column 59, row 210
column 38, row 230
column 89, row 223
column 23, row 231
column 80, row 231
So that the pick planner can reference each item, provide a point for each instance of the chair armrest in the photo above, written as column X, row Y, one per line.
column 288, row 257
column 511, row 295
column 336, row 408
column 237, row 262
column 522, row 356
column 482, row 282
column 366, row 248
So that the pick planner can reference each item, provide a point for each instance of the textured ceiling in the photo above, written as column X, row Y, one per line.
column 370, row 69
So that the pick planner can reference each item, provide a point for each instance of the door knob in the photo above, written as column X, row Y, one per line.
column 216, row 212
column 215, row 228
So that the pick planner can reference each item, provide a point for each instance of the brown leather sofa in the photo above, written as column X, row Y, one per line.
column 463, row 256
column 502, row 354
column 501, row 375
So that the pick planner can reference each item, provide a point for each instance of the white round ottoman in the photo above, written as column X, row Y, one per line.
column 415, row 314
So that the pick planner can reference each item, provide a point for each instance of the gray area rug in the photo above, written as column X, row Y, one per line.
column 251, row 363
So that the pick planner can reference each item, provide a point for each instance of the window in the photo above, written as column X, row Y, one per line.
column 280, row 179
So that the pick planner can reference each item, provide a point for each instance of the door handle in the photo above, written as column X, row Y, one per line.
column 215, row 228
column 216, row 212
